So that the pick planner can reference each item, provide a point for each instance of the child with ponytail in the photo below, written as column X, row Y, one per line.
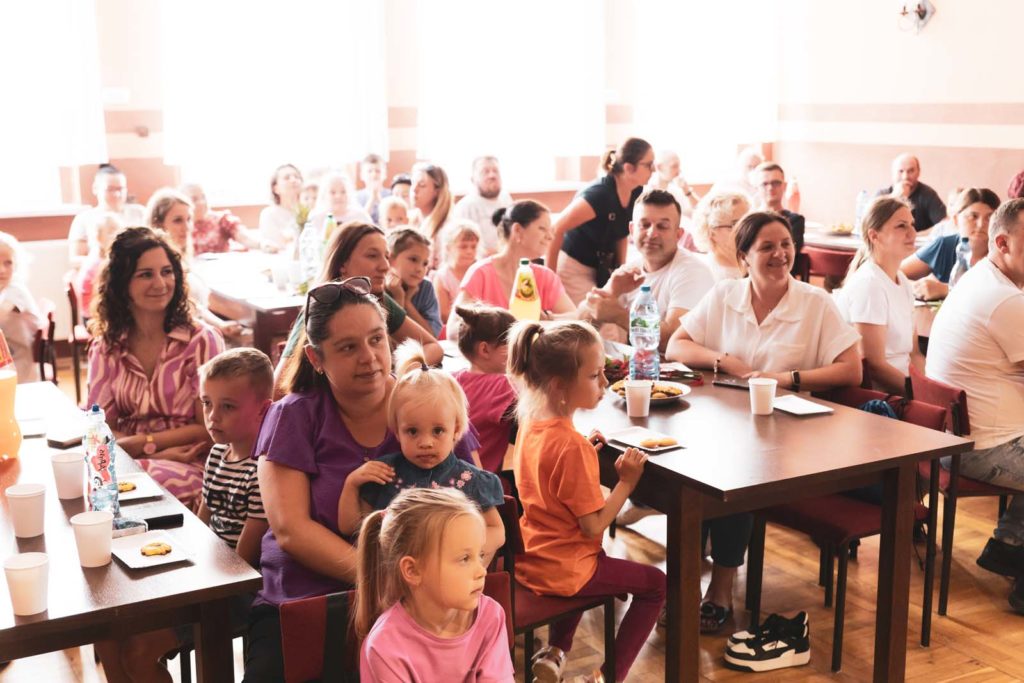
column 560, row 368
column 420, row 607
column 427, row 411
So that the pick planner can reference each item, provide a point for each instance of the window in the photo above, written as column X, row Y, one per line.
column 52, row 115
column 251, row 85
column 523, row 81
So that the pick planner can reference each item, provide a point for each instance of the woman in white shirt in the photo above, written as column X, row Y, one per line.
column 878, row 300
column 714, row 220
column 764, row 325
column 277, row 221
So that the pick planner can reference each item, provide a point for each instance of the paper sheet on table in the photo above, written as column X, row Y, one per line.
column 791, row 403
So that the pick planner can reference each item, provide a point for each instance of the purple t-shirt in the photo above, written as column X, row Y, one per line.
column 305, row 432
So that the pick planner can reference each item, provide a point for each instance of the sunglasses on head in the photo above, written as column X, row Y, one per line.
column 329, row 292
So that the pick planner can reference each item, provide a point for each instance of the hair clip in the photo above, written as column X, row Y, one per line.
column 424, row 367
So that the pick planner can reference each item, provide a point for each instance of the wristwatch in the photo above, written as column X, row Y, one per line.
column 794, row 376
column 150, row 446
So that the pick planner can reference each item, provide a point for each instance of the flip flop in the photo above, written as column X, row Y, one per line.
column 713, row 617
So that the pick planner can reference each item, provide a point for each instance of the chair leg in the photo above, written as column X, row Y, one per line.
column 1002, row 507
column 840, row 613
column 929, row 556
column 76, row 364
column 854, row 545
column 528, row 656
column 822, row 559
column 609, row 640
column 185, row 665
column 755, row 570
column 948, row 524
column 830, row 554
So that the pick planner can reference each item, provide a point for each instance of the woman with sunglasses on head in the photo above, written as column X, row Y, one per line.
column 360, row 250
column 592, row 234
column 332, row 420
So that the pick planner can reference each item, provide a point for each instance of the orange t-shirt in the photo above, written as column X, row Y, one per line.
column 559, row 481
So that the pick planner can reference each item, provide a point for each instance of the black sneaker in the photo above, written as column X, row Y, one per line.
column 787, row 644
column 772, row 623
column 1002, row 558
column 1017, row 596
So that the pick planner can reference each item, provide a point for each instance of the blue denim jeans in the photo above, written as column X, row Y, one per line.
column 1002, row 465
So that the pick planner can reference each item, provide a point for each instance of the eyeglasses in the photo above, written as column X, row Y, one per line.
column 772, row 183
column 330, row 292
column 727, row 226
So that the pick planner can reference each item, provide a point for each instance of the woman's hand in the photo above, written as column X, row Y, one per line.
column 731, row 365
column 375, row 472
column 630, row 466
column 784, row 379
column 231, row 328
column 185, row 453
column 930, row 289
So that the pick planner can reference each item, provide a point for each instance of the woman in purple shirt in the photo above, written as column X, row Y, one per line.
column 331, row 422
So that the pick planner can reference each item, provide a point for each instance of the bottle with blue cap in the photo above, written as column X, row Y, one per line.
column 644, row 336
column 100, row 446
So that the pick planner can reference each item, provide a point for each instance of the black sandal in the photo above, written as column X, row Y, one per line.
column 713, row 617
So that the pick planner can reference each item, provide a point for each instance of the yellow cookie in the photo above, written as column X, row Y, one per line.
column 667, row 441
column 658, row 394
column 125, row 486
column 155, row 548
column 649, row 443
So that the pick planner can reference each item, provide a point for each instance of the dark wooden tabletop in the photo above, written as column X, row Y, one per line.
column 111, row 599
column 729, row 453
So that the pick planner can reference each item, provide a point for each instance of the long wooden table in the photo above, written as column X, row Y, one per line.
column 241, row 289
column 733, row 461
column 113, row 602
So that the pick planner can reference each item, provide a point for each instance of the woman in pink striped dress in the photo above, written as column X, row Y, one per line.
column 143, row 363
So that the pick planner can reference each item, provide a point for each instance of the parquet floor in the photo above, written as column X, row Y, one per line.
column 981, row 640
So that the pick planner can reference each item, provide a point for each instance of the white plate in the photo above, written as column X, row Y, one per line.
column 684, row 389
column 145, row 487
column 633, row 436
column 793, row 404
column 127, row 549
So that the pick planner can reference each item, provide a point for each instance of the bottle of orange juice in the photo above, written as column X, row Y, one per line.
column 10, row 432
column 525, row 301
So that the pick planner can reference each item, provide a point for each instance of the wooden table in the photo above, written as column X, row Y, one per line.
column 736, row 462
column 817, row 236
column 113, row 602
column 242, row 290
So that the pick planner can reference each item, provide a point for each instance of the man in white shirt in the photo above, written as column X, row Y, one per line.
column 668, row 176
column 111, row 189
column 977, row 344
column 483, row 200
column 678, row 278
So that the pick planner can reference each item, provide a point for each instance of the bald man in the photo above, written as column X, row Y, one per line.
column 926, row 206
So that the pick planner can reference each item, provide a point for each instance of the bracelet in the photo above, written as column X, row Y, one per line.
column 718, row 362
column 794, row 378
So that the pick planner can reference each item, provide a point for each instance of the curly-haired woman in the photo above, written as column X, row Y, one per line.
column 143, row 364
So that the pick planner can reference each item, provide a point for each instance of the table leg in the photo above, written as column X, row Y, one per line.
column 682, row 646
column 261, row 338
column 894, row 573
column 214, row 658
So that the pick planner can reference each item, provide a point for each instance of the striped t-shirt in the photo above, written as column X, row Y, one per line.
column 231, row 492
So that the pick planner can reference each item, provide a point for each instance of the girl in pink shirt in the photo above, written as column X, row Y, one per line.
column 420, row 607
column 483, row 341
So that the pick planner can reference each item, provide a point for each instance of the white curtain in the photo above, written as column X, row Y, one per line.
column 520, row 80
column 249, row 85
column 52, row 112
column 710, row 80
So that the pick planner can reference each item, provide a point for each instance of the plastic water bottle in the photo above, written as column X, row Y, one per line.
column 330, row 225
column 644, row 336
column 863, row 200
column 311, row 251
column 963, row 261
column 99, row 457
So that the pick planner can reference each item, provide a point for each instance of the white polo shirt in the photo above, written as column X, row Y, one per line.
column 976, row 341
column 804, row 332
column 871, row 297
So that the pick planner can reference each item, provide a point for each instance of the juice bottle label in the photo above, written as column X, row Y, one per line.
column 525, row 287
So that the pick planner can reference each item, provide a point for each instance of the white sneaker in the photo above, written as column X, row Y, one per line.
column 631, row 514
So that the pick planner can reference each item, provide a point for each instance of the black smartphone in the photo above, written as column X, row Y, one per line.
column 732, row 383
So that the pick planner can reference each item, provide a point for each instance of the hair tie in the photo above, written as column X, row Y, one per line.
column 423, row 367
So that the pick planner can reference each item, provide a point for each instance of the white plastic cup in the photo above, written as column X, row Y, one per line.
column 294, row 274
column 27, row 577
column 279, row 273
column 26, row 503
column 69, row 473
column 762, row 395
column 93, row 531
column 638, row 397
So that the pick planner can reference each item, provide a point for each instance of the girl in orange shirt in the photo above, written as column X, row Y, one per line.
column 560, row 368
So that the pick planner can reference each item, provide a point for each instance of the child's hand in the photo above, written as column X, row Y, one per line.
column 630, row 466
column 375, row 472
column 597, row 439
column 393, row 285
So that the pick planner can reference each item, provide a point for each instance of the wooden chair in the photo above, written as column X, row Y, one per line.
column 318, row 639
column 43, row 349
column 834, row 522
column 950, row 482
column 78, row 337
column 831, row 264
column 531, row 611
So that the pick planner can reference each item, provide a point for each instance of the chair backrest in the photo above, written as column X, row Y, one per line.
column 509, row 511
column 498, row 587
column 825, row 261
column 802, row 267
column 43, row 350
column 925, row 415
column 318, row 639
column 854, row 397
column 944, row 396
column 72, row 294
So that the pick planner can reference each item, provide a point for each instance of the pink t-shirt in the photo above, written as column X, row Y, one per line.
column 398, row 650
column 482, row 283
column 489, row 396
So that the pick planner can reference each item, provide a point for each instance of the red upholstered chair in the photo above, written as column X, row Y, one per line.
column 531, row 611
column 318, row 639
column 78, row 338
column 950, row 482
column 834, row 522
column 43, row 350
column 831, row 264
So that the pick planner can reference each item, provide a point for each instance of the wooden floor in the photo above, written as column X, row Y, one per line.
column 982, row 639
